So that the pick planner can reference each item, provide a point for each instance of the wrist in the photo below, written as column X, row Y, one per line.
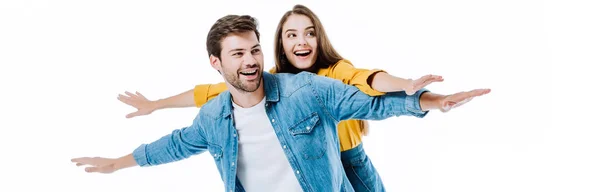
column 124, row 162
column 431, row 101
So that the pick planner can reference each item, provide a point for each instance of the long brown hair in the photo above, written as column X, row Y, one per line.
column 326, row 54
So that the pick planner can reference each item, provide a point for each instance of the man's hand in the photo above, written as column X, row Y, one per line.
column 416, row 85
column 137, row 100
column 98, row 164
column 105, row 165
column 449, row 102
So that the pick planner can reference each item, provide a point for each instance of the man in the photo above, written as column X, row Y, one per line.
column 269, row 132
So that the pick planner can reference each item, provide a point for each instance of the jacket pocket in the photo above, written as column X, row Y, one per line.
column 309, row 137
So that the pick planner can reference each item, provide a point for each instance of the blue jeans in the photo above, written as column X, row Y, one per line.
column 360, row 171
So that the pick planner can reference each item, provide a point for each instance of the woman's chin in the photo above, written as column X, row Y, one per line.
column 303, row 65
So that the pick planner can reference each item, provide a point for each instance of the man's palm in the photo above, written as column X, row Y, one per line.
column 456, row 100
column 98, row 164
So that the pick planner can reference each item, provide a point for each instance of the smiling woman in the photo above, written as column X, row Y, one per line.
column 299, row 42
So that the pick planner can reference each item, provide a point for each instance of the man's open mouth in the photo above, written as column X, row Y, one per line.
column 252, row 72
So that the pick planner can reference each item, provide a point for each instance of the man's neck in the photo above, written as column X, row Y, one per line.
column 247, row 99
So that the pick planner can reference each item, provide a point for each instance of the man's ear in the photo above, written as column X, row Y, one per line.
column 215, row 62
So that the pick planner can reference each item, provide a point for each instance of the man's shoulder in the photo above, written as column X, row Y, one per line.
column 301, row 77
column 291, row 75
column 316, row 79
column 215, row 108
column 289, row 82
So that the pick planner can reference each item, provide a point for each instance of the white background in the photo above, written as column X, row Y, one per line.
column 63, row 63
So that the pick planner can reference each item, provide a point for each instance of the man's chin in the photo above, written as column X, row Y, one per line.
column 251, row 86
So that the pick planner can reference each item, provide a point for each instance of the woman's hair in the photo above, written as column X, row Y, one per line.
column 326, row 54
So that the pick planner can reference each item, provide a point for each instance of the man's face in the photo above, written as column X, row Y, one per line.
column 241, row 62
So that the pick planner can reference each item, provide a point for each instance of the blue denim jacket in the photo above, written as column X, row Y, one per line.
column 304, row 110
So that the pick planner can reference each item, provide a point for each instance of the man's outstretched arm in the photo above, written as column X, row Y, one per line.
column 105, row 165
column 344, row 102
column 179, row 145
column 433, row 101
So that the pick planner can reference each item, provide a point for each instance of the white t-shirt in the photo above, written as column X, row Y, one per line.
column 262, row 164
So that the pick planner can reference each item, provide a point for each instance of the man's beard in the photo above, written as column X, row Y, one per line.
column 237, row 83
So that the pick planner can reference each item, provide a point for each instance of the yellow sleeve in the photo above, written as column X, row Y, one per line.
column 272, row 70
column 344, row 70
column 205, row 92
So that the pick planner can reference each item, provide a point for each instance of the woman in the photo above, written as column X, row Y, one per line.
column 301, row 44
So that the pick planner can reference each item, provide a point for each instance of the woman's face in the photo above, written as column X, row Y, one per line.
column 299, row 41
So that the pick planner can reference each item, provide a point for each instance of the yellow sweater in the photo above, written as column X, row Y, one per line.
column 349, row 131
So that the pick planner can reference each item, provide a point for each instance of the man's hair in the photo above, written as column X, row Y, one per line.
column 226, row 26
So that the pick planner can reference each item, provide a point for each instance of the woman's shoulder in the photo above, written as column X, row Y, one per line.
column 339, row 67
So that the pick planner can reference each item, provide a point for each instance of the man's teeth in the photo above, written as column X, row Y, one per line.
column 249, row 72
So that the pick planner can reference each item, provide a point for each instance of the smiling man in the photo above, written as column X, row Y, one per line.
column 267, row 132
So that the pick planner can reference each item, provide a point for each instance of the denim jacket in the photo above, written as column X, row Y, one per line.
column 304, row 110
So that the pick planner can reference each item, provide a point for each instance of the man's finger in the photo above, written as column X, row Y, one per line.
column 91, row 169
column 79, row 159
column 82, row 160
column 462, row 102
column 101, row 169
column 479, row 92
column 457, row 97
column 473, row 93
